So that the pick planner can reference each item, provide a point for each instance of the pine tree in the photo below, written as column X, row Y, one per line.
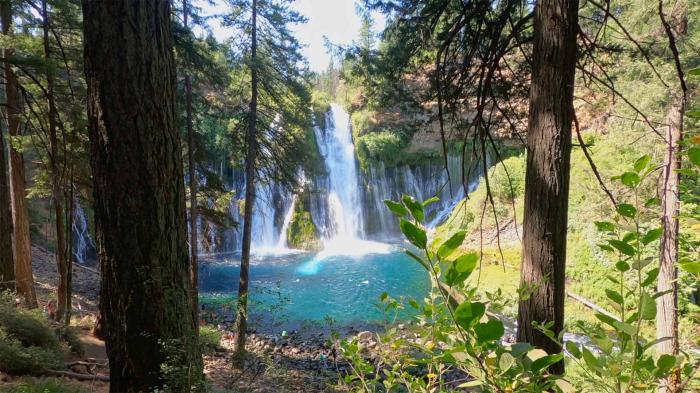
column 139, row 197
column 547, row 173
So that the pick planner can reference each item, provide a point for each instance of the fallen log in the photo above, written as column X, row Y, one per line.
column 591, row 305
column 78, row 376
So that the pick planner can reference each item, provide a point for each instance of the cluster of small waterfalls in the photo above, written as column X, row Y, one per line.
column 345, row 203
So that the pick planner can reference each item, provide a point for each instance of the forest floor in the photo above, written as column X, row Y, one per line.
column 295, row 363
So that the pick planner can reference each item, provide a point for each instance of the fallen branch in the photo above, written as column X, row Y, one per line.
column 591, row 305
column 78, row 376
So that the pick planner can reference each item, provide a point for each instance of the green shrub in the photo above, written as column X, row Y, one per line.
column 209, row 338
column 51, row 385
column 16, row 358
column 385, row 146
column 28, row 327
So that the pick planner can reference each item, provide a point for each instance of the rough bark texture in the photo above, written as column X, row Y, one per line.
column 194, row 267
column 7, row 260
column 547, row 174
column 56, row 175
column 251, row 154
column 667, row 305
column 139, row 197
column 20, row 215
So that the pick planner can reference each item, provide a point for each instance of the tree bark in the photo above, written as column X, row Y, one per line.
column 56, row 182
column 667, row 305
column 139, row 197
column 194, row 273
column 251, row 154
column 547, row 173
column 7, row 259
column 20, row 215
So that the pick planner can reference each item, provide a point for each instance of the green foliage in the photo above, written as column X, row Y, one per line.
column 620, row 357
column 42, row 386
column 456, row 330
column 302, row 233
column 385, row 147
column 27, row 342
column 209, row 338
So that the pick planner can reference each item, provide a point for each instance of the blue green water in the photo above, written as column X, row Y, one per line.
column 297, row 288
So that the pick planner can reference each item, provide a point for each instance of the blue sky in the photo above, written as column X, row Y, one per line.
column 335, row 19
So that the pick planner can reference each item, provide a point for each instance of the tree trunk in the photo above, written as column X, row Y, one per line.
column 547, row 173
column 56, row 188
column 667, row 305
column 139, row 197
column 20, row 215
column 70, row 216
column 194, row 273
column 7, row 259
column 251, row 154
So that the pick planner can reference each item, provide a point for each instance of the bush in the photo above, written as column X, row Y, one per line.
column 385, row 146
column 16, row 358
column 27, row 341
column 28, row 327
column 209, row 338
column 42, row 386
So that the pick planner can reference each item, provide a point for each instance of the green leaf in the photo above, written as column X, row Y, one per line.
column 418, row 259
column 415, row 207
column 664, row 365
column 461, row 269
column 506, row 362
column 691, row 267
column 573, row 349
column 622, row 247
column 652, row 235
column 452, row 244
column 467, row 314
column 590, row 359
column 605, row 226
column 467, row 263
column 625, row 328
column 615, row 296
column 630, row 179
column 693, row 114
column 627, row 210
column 648, row 307
column 652, row 202
column 414, row 234
column 651, row 277
column 546, row 361
column 641, row 264
column 622, row 266
column 606, row 319
column 694, row 71
column 489, row 331
column 396, row 208
column 694, row 155
column 430, row 200
column 642, row 163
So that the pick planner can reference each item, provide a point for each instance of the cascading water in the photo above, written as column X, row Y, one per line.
column 346, row 205
column 344, row 200
column 83, row 245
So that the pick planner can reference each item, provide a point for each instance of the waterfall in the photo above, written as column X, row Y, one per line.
column 83, row 245
column 282, row 242
column 344, row 199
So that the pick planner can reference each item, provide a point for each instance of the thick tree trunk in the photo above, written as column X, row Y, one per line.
column 139, row 197
column 251, row 154
column 20, row 215
column 194, row 273
column 56, row 188
column 547, row 174
column 667, row 305
column 7, row 259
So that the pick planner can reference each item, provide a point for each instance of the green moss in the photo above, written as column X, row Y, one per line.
column 302, row 233
column 44, row 385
